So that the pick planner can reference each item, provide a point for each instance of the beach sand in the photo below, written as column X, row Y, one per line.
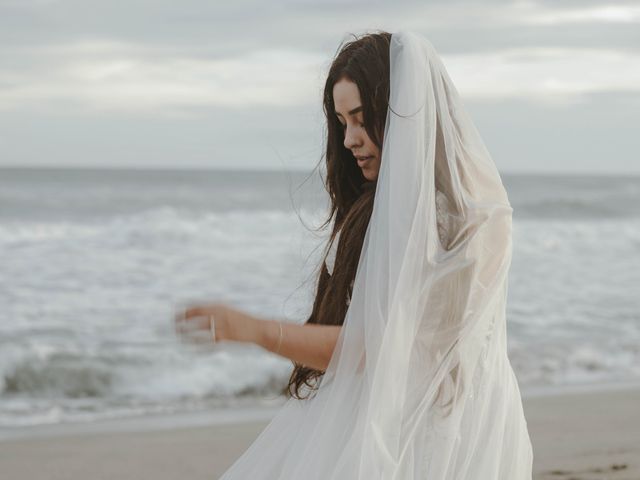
column 579, row 435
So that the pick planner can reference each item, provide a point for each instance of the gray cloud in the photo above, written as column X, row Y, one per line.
column 199, row 83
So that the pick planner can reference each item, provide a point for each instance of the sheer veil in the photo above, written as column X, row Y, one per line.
column 419, row 385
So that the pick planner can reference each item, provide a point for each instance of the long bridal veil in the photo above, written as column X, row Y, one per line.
column 419, row 385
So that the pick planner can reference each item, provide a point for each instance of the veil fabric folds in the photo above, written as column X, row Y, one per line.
column 420, row 385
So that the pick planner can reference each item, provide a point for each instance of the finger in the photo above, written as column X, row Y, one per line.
column 195, row 311
column 193, row 324
column 189, row 315
column 189, row 326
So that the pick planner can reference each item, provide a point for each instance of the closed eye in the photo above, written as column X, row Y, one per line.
column 343, row 126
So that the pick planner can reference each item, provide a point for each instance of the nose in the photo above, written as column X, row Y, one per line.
column 351, row 138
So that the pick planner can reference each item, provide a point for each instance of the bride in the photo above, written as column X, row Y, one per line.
column 401, row 371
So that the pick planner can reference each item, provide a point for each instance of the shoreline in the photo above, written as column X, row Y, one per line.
column 584, row 432
column 242, row 414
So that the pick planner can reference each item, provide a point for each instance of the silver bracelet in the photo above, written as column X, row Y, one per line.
column 279, row 339
column 212, row 325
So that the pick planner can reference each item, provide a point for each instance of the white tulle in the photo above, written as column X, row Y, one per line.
column 419, row 385
column 443, row 217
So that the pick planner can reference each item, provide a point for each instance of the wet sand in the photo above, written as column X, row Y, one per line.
column 582, row 435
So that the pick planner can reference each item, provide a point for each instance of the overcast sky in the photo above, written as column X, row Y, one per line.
column 554, row 86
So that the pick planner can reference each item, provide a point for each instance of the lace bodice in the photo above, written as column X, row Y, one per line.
column 443, row 221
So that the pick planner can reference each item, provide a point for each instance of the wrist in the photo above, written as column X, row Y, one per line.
column 269, row 335
column 258, row 330
column 247, row 328
column 238, row 326
column 265, row 333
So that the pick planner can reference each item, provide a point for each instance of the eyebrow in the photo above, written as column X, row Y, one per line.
column 353, row 111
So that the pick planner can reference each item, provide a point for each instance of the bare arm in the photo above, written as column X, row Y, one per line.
column 310, row 344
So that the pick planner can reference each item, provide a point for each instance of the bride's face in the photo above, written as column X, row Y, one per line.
column 346, row 98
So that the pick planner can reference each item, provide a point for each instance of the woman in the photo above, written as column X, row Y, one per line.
column 401, row 371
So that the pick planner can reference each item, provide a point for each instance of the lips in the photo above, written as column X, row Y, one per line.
column 363, row 160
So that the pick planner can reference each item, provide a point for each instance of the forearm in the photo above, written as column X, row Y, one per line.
column 311, row 345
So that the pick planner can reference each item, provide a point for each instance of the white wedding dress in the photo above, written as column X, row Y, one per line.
column 419, row 385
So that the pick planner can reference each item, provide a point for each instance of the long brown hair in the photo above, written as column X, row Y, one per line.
column 364, row 61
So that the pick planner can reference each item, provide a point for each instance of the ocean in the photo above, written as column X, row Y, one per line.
column 93, row 264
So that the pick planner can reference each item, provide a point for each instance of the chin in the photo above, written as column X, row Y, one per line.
column 369, row 175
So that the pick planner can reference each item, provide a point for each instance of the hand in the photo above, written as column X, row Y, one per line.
column 194, row 324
